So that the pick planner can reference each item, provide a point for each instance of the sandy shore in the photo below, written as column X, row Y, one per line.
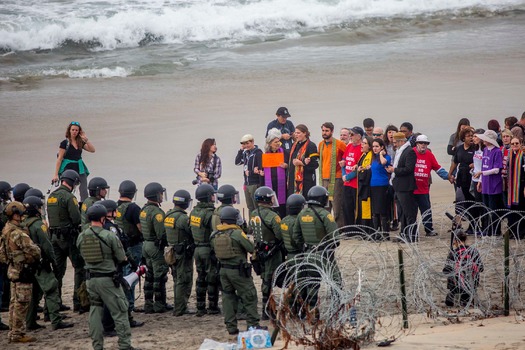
column 150, row 129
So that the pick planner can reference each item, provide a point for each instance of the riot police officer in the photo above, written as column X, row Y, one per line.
column 19, row 191
column 152, row 224
column 294, row 204
column 128, row 220
column 20, row 255
column 64, row 220
column 180, row 239
column 231, row 246
column 228, row 196
column 98, row 189
column 266, row 227
column 201, row 228
column 102, row 252
column 46, row 281
column 313, row 224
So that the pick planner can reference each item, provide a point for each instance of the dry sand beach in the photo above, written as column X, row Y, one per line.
column 150, row 128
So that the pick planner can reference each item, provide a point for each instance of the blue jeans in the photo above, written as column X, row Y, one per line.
column 423, row 203
column 136, row 253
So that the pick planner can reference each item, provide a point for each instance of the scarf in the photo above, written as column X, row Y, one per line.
column 333, row 164
column 363, row 186
column 299, row 169
column 281, row 181
column 514, row 171
column 396, row 159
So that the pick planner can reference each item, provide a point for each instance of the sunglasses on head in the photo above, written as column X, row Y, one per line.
column 75, row 123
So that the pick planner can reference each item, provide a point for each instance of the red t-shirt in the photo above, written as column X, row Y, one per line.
column 425, row 163
column 351, row 157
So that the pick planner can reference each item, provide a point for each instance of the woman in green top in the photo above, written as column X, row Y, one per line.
column 70, row 156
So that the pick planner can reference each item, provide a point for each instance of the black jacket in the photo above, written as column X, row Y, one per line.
column 404, row 179
column 250, row 160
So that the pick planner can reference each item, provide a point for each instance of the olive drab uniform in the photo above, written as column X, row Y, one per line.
column 102, row 251
column 22, row 255
column 216, row 221
column 292, row 248
column 46, row 280
column 231, row 245
column 266, row 227
column 207, row 277
column 312, row 225
column 178, row 234
column 64, row 219
column 135, row 239
column 83, row 211
column 152, row 223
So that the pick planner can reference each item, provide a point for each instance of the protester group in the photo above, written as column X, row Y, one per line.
column 297, row 193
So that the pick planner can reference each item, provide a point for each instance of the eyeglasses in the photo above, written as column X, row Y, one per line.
column 377, row 134
column 75, row 123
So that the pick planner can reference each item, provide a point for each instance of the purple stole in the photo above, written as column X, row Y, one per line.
column 281, row 181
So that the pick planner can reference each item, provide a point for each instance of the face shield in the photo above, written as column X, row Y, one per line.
column 275, row 201
column 162, row 196
column 102, row 190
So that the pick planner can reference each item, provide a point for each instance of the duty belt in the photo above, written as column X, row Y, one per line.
column 150, row 239
column 231, row 267
column 92, row 274
column 202, row 245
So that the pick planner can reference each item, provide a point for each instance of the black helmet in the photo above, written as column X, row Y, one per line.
column 264, row 194
column 96, row 212
column 204, row 193
column 227, row 194
column 34, row 192
column 318, row 195
column 295, row 204
column 15, row 208
column 229, row 215
column 110, row 205
column 19, row 191
column 5, row 188
column 71, row 177
column 182, row 198
column 32, row 204
column 95, row 185
column 154, row 192
column 127, row 189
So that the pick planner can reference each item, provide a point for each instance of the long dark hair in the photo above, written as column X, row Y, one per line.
column 457, row 137
column 382, row 144
column 389, row 127
column 205, row 152
column 78, row 139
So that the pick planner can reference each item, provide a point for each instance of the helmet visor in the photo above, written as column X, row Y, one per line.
column 275, row 201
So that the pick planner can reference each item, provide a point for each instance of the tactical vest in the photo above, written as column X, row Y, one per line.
column 261, row 224
column 174, row 234
column 83, row 210
column 91, row 248
column 287, row 225
column 313, row 230
column 216, row 218
column 224, row 245
column 129, row 229
column 28, row 223
column 147, row 215
column 200, row 223
column 57, row 208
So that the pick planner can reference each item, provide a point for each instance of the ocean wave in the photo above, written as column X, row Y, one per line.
column 119, row 72
column 95, row 26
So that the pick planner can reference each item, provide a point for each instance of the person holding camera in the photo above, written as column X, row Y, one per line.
column 208, row 165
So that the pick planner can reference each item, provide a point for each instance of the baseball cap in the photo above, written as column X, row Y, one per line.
column 358, row 130
column 283, row 111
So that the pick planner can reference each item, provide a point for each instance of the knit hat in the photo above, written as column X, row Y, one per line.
column 399, row 136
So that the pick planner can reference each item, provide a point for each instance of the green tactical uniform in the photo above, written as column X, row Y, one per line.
column 237, row 282
column 83, row 210
column 292, row 248
column 46, row 280
column 101, row 266
column 64, row 218
column 178, row 234
column 152, row 223
column 207, row 277
column 266, row 227
column 312, row 225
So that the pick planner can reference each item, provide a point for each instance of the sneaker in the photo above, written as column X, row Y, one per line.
column 62, row 325
column 23, row 339
column 432, row 233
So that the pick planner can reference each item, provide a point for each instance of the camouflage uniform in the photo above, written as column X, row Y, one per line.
column 21, row 254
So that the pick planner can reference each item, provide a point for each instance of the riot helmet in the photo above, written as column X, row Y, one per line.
column 19, row 191
column 182, row 199
column 265, row 195
column 71, row 177
column 33, row 205
column 127, row 189
column 295, row 203
column 5, row 189
column 318, row 195
column 110, row 205
column 154, row 192
column 34, row 192
column 204, row 193
column 96, row 212
column 95, row 185
column 229, row 215
column 227, row 194
column 15, row 208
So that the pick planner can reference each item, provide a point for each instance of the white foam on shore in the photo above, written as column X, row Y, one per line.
column 32, row 24
column 119, row 72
